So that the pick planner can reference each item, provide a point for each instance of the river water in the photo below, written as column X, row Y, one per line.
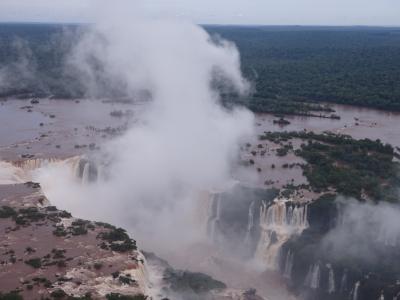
column 355, row 121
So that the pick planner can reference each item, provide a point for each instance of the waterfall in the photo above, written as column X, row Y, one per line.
column 88, row 171
column 35, row 163
column 287, row 273
column 250, row 223
column 343, row 282
column 313, row 276
column 331, row 279
column 76, row 169
column 11, row 174
column 141, row 274
column 156, row 283
column 382, row 297
column 355, row 292
column 278, row 222
column 202, row 211
column 214, row 217
column 24, row 170
column 279, row 215
column 218, row 217
column 100, row 173
column 85, row 173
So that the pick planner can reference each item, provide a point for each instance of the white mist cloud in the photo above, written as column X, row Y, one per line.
column 19, row 72
column 186, row 142
column 364, row 231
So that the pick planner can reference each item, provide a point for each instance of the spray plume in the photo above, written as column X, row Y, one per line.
column 365, row 231
column 185, row 143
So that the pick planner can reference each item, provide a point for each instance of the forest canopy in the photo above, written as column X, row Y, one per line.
column 350, row 65
column 288, row 66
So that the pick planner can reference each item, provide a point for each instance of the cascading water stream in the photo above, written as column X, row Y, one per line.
column 250, row 223
column 355, row 291
column 313, row 276
column 100, row 173
column 343, row 282
column 26, row 170
column 11, row 174
column 215, row 214
column 331, row 280
column 287, row 273
column 85, row 173
column 36, row 163
column 278, row 222
column 88, row 171
column 22, row 171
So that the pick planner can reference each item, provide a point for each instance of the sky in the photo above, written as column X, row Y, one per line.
column 251, row 12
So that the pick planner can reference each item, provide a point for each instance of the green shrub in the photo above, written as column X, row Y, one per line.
column 34, row 262
column 7, row 212
column 11, row 296
column 116, row 296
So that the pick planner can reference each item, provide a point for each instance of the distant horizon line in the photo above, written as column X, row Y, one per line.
column 212, row 24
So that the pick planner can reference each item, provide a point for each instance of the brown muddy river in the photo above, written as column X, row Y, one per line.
column 270, row 170
column 68, row 121
column 62, row 128
column 355, row 121
column 57, row 128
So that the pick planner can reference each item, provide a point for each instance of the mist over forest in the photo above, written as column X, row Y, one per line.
column 286, row 64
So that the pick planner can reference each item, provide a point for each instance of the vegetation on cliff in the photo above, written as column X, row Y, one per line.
column 185, row 281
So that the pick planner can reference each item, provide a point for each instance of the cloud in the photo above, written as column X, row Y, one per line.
column 185, row 143
column 19, row 71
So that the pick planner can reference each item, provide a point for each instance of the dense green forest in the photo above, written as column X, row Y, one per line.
column 353, row 65
column 287, row 65
column 356, row 168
